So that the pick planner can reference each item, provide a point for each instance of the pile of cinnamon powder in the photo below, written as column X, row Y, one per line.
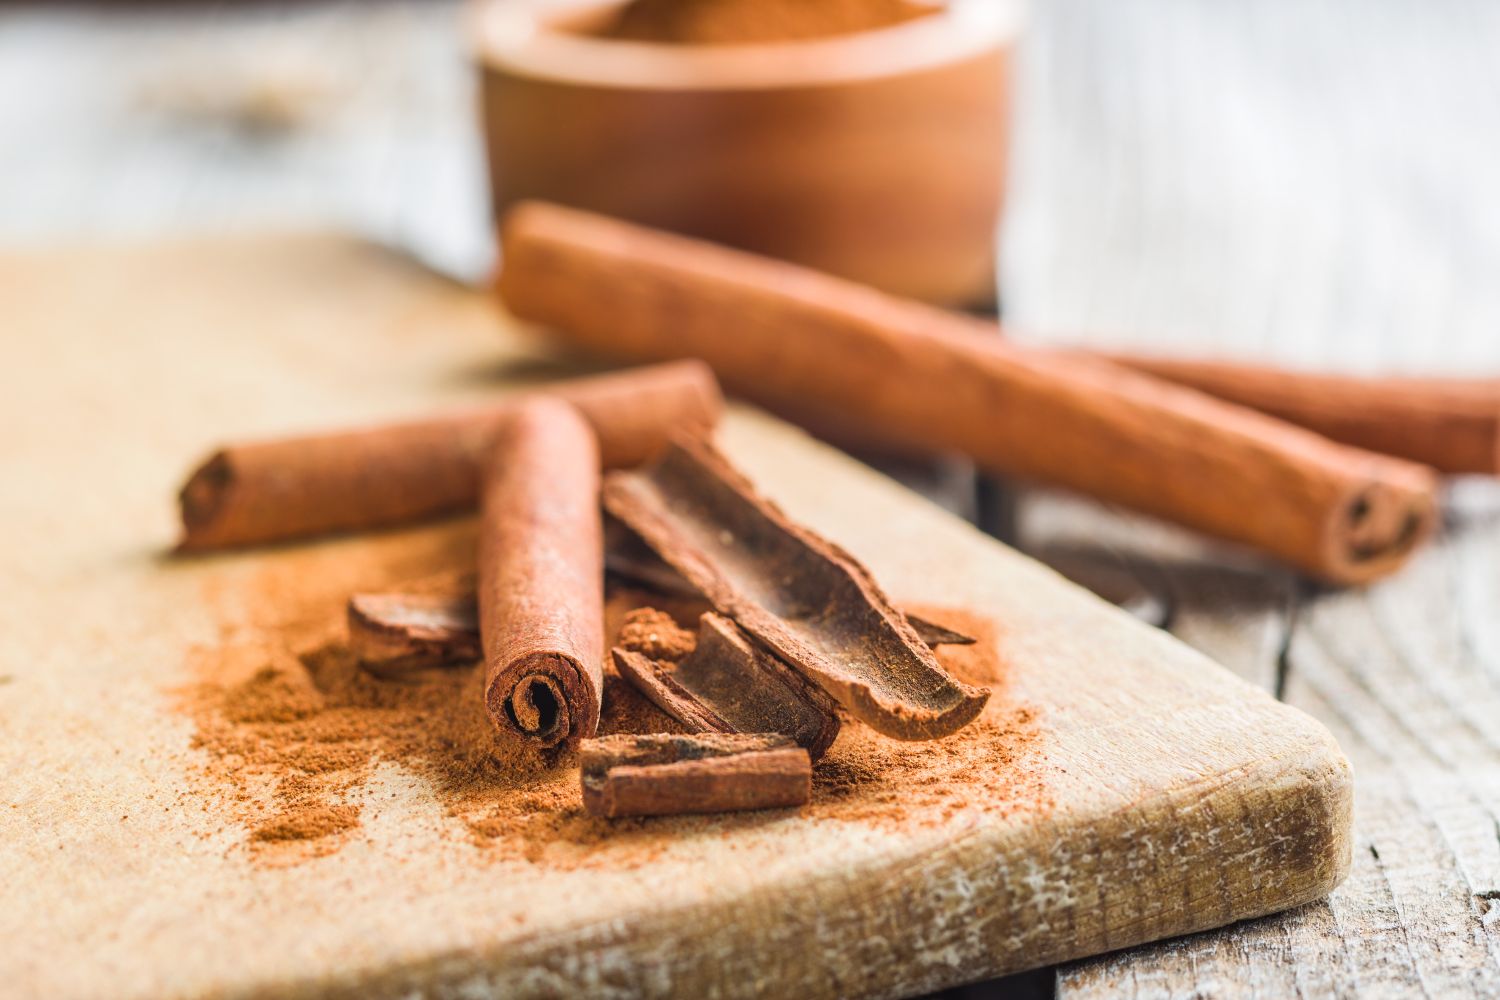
column 740, row 22
column 292, row 729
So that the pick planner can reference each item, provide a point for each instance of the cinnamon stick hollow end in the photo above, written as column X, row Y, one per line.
column 541, row 577
column 1379, row 525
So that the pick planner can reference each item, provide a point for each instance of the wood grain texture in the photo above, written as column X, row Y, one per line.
column 1177, row 797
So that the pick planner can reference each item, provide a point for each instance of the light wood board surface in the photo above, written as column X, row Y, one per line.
column 1176, row 797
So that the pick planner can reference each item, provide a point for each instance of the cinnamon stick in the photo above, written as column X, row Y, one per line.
column 805, row 599
column 541, row 576
column 1451, row 424
column 823, row 351
column 727, row 685
column 270, row 491
column 662, row 775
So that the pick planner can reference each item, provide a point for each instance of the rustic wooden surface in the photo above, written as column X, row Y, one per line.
column 1305, row 182
column 1159, row 794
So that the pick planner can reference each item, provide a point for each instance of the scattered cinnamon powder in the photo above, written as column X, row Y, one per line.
column 655, row 635
column 740, row 22
column 290, row 729
column 980, row 663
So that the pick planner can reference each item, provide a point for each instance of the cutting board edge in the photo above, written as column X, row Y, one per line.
column 685, row 951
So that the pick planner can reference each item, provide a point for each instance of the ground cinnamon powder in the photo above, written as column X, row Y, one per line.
column 290, row 729
column 739, row 22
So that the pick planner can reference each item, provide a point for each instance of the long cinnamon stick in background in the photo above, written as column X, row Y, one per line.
column 663, row 775
column 1451, row 424
column 724, row 684
column 818, row 349
column 805, row 599
column 541, row 576
column 375, row 477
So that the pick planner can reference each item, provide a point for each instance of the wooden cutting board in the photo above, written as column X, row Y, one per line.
column 1120, row 787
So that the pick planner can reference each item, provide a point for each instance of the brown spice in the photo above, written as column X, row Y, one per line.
column 809, row 602
column 738, row 22
column 289, row 729
column 376, row 477
column 1451, row 424
column 654, row 634
column 541, row 577
column 659, row 775
column 398, row 633
column 728, row 684
column 392, row 634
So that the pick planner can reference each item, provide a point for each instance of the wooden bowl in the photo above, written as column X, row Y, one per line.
column 879, row 156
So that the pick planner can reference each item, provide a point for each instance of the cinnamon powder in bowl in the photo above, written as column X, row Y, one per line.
column 741, row 22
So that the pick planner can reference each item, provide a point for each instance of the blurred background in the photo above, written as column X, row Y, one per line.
column 1309, row 182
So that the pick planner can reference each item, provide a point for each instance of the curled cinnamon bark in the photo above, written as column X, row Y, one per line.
column 726, row 685
column 829, row 353
column 269, row 491
column 1451, row 424
column 664, row 775
column 541, row 576
column 805, row 599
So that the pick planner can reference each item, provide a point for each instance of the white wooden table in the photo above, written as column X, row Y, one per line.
column 1306, row 182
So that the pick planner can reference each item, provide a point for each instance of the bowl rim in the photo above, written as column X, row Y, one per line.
column 521, row 38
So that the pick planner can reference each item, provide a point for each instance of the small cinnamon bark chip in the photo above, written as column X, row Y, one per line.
column 395, row 633
column 727, row 685
column 541, row 577
column 668, row 775
column 804, row 598
column 392, row 474
column 936, row 635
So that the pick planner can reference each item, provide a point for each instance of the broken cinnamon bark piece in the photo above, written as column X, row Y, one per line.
column 667, row 775
column 727, row 685
column 804, row 598
column 396, row 633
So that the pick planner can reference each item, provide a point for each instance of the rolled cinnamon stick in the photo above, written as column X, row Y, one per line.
column 824, row 351
column 1451, row 424
column 375, row 477
column 541, row 576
